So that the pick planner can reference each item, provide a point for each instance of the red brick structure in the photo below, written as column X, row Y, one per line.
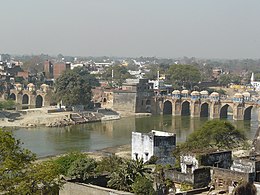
column 59, row 68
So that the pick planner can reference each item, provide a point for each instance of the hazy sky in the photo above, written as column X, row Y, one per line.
column 161, row 28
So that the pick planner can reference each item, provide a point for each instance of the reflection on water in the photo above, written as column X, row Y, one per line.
column 94, row 136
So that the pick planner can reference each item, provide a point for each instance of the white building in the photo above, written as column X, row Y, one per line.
column 156, row 143
column 255, row 84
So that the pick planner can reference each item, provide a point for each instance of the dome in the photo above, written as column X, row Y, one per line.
column 238, row 95
column 185, row 91
column 175, row 92
column 44, row 85
column 214, row 94
column 195, row 93
column 246, row 94
column 204, row 93
column 30, row 85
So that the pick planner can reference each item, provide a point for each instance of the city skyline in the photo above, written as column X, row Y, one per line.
column 168, row 29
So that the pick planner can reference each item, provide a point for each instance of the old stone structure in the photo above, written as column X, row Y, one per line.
column 201, row 104
column 191, row 161
column 156, row 143
column 29, row 97
column 136, row 96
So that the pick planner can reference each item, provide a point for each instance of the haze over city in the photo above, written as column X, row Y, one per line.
column 169, row 28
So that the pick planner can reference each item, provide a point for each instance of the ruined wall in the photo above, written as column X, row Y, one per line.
column 187, row 161
column 243, row 165
column 223, row 178
column 202, row 177
column 217, row 159
column 179, row 177
column 79, row 189
column 124, row 101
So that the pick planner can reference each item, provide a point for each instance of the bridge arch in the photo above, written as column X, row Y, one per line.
column 39, row 101
column 204, row 110
column 12, row 96
column 224, row 110
column 247, row 113
column 25, row 99
column 167, row 107
column 185, row 108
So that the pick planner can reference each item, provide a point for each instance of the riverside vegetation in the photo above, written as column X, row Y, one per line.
column 22, row 174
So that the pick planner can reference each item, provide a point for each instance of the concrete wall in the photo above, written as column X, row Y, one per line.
column 142, row 145
column 188, row 160
column 70, row 188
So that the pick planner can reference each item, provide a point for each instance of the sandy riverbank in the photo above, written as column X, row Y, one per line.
column 123, row 151
column 31, row 119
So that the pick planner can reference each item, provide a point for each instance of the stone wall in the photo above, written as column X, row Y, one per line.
column 199, row 179
column 217, row 159
column 124, row 101
column 79, row 189
column 179, row 177
column 188, row 163
column 224, row 178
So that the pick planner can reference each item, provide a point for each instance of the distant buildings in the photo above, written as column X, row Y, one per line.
column 255, row 84
column 55, row 70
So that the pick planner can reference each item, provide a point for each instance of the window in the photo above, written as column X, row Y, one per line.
column 146, row 155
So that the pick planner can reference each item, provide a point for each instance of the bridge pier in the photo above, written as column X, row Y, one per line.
column 195, row 109
column 238, row 112
column 176, row 107
column 214, row 110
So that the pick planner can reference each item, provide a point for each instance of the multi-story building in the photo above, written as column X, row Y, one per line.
column 48, row 69
column 59, row 68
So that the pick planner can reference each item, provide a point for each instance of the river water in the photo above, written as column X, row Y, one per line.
column 46, row 141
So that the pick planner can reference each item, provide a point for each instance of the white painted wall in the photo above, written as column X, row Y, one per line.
column 188, row 160
column 142, row 144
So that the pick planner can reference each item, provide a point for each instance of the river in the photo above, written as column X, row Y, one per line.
column 46, row 141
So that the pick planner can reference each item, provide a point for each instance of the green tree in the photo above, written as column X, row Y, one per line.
column 82, row 168
column 224, row 80
column 109, row 164
column 120, row 74
column 215, row 133
column 184, row 75
column 143, row 186
column 127, row 172
column 19, row 174
column 64, row 162
column 7, row 104
column 73, row 87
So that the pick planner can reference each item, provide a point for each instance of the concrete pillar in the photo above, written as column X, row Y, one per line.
column 238, row 111
column 195, row 108
column 214, row 110
column 176, row 107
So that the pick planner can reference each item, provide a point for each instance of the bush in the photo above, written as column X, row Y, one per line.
column 143, row 186
column 65, row 161
column 82, row 168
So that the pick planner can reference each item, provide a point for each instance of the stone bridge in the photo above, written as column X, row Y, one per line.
column 201, row 104
column 29, row 97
